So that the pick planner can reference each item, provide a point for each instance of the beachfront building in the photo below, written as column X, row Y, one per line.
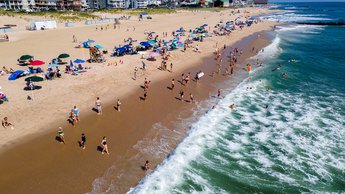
column 97, row 4
column 45, row 4
column 17, row 4
column 123, row 4
column 69, row 5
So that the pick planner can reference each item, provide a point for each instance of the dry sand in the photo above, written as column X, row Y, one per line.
column 41, row 166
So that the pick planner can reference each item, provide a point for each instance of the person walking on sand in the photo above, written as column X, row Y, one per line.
column 191, row 98
column 104, row 145
column 181, row 95
column 76, row 113
column 98, row 104
column 145, row 95
column 61, row 135
column 83, row 141
column 171, row 67
column 146, row 165
column 172, row 84
column 218, row 95
column 118, row 105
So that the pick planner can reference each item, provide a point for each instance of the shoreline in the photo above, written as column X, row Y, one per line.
column 122, row 145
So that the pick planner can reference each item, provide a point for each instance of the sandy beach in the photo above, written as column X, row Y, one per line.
column 45, row 165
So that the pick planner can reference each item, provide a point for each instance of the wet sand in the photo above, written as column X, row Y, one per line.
column 43, row 165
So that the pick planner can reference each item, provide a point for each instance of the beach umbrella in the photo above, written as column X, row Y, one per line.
column 54, row 65
column 37, row 63
column 90, row 41
column 121, row 50
column 79, row 61
column 63, row 56
column 26, row 57
column 34, row 78
column 152, row 41
column 205, row 25
column 178, row 30
column 15, row 75
column 99, row 46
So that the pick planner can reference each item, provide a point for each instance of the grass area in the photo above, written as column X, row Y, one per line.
column 60, row 16
column 78, row 15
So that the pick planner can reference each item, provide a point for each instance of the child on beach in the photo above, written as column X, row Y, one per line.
column 104, row 145
column 5, row 123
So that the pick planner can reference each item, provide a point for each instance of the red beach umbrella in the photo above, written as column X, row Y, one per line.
column 37, row 63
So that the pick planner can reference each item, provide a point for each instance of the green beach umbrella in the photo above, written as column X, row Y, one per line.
column 26, row 57
column 63, row 56
column 34, row 78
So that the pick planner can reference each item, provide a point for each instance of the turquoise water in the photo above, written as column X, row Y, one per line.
column 286, row 135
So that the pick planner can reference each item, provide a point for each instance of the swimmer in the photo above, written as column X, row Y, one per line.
column 232, row 106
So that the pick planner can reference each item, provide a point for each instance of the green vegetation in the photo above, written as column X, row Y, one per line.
column 60, row 16
column 78, row 15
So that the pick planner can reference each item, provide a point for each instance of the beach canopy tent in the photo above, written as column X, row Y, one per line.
column 37, row 63
column 42, row 25
column 15, row 75
column 79, row 61
column 34, row 78
column 145, row 44
column 26, row 57
column 63, row 56
column 121, row 50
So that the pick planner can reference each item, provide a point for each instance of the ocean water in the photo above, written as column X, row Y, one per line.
column 285, row 135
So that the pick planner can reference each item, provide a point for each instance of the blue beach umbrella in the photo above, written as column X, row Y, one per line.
column 79, row 61
column 99, row 46
column 90, row 41
column 15, row 75
column 205, row 25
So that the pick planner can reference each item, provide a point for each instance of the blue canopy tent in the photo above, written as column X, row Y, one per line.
column 127, row 47
column 121, row 50
column 15, row 75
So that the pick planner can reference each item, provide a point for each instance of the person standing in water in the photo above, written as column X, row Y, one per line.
column 181, row 95
column 218, row 94
column 104, row 145
column 118, row 105
column 98, row 104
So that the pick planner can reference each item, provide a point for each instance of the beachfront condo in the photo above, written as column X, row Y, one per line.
column 123, row 4
column 17, row 4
